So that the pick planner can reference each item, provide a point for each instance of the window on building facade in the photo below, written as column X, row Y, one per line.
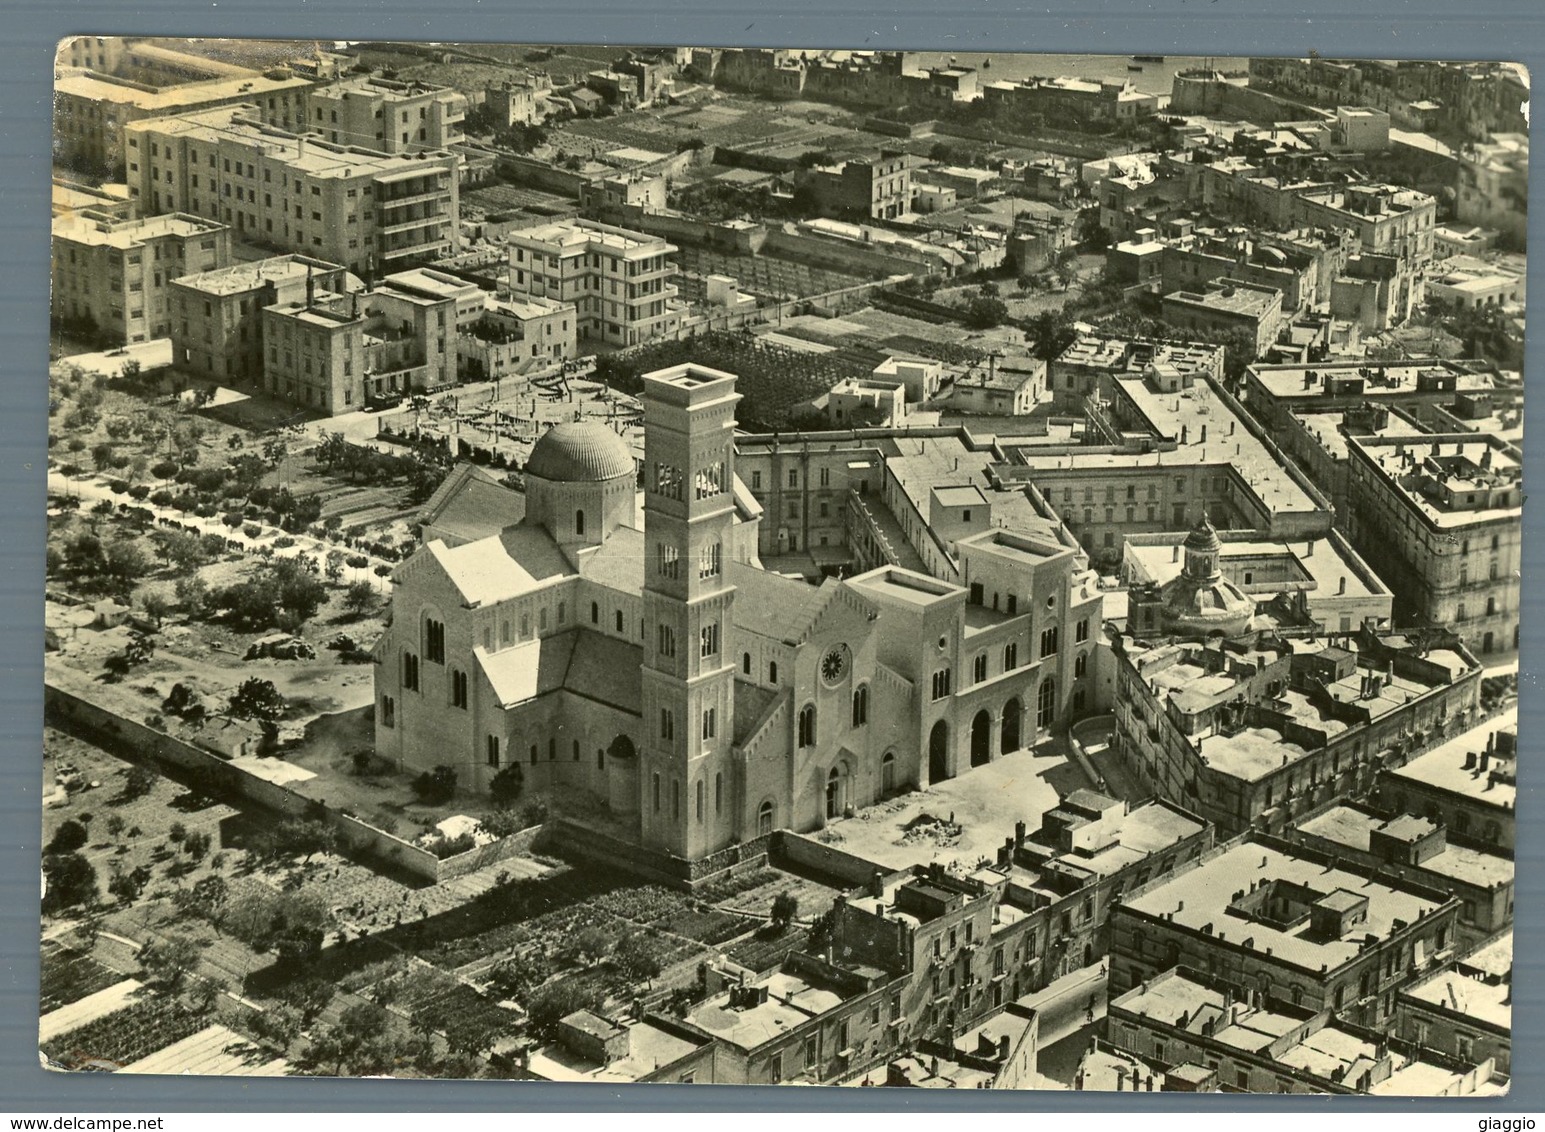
column 493, row 750
column 861, row 706
column 434, row 641
column 458, row 688
column 806, row 731
column 410, row 672
column 388, row 712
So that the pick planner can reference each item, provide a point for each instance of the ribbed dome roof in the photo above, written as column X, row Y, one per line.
column 580, row 452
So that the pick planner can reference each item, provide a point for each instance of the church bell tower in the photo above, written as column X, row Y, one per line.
column 688, row 792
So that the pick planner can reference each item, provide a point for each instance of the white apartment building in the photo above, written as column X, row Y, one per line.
column 618, row 280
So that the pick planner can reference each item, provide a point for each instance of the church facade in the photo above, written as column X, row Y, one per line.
column 674, row 691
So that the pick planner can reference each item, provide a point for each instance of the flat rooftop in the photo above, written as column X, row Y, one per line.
column 791, row 1001
column 1149, row 829
column 649, row 1048
column 576, row 234
column 1321, row 560
column 250, row 276
column 1353, row 828
column 1253, row 302
column 1325, row 430
column 1201, row 898
column 170, row 99
column 1443, row 767
column 1452, row 486
column 79, row 228
column 240, row 125
column 1381, row 379
column 1456, row 993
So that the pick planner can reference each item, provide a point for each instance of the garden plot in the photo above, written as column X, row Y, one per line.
column 216, row 1052
column 69, row 976
column 125, row 1036
column 78, row 1013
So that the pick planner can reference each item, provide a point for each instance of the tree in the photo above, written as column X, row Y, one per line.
column 166, row 961
column 206, row 899
column 310, row 996
column 257, row 699
column 785, row 907
column 359, row 597
column 155, row 605
column 290, row 924
column 554, row 1002
column 1052, row 332
column 331, row 453
column 190, row 593
column 69, row 881
column 126, row 887
column 115, row 825
column 984, row 312
column 139, row 781
column 635, row 958
column 505, row 787
column 1091, row 233
column 279, row 1025
column 70, row 836
column 184, row 703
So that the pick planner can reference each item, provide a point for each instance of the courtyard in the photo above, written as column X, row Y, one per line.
column 964, row 819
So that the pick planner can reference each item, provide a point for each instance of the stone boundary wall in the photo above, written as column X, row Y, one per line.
column 76, row 711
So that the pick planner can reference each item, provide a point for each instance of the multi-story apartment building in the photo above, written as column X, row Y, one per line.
column 217, row 316
column 1469, row 784
column 115, row 276
column 1440, row 517
column 1227, row 304
column 1275, row 392
column 617, row 280
column 1256, row 731
column 1494, row 185
column 334, row 353
column 372, row 212
column 877, row 189
column 1273, row 921
column 1388, row 219
column 386, row 115
column 1070, row 99
column 92, row 110
column 967, row 943
column 1417, row 848
column 1465, row 1010
column 1194, row 1028
column 513, row 336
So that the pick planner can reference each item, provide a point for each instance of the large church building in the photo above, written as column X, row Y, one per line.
column 671, row 690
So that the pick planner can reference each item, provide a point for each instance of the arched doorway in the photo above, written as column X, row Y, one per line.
column 1011, row 712
column 938, row 752
column 764, row 819
column 834, row 794
column 981, row 738
column 1046, row 704
column 888, row 774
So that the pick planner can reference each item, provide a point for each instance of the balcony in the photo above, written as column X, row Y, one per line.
column 385, row 202
column 430, row 248
column 407, row 225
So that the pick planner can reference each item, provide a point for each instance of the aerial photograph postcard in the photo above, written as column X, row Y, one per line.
column 872, row 569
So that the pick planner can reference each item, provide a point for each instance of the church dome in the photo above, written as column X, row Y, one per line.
column 1201, row 599
column 580, row 452
column 1203, row 537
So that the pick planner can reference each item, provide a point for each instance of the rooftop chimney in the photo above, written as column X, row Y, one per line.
column 1343, row 587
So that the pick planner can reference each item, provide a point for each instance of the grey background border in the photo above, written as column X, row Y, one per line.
column 29, row 29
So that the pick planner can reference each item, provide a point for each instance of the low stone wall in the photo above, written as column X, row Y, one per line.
column 74, row 710
column 802, row 852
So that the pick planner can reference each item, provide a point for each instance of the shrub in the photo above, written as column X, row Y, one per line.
column 283, row 542
column 252, row 530
column 67, row 838
column 505, row 787
column 436, row 786
column 452, row 846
